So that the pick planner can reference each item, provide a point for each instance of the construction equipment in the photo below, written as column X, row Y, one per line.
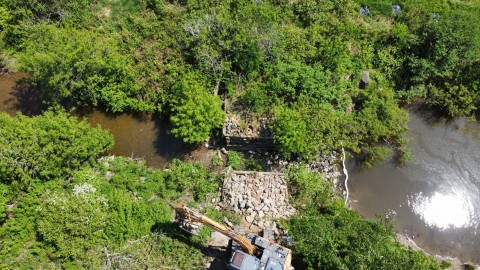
column 250, row 252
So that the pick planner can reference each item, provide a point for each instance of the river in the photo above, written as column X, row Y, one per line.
column 436, row 198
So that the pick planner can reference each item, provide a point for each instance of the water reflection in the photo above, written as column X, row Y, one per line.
column 444, row 210
column 437, row 196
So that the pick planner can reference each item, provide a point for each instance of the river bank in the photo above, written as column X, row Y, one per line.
column 455, row 264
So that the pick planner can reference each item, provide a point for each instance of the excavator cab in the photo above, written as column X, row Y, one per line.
column 242, row 261
column 267, row 256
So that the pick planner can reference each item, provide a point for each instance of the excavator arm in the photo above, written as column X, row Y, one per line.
column 191, row 221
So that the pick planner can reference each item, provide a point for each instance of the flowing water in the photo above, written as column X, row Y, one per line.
column 436, row 198
column 145, row 137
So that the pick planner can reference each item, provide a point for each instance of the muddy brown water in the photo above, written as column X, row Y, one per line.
column 436, row 198
column 141, row 137
column 9, row 101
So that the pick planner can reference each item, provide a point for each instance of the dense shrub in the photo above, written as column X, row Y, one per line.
column 45, row 147
column 340, row 239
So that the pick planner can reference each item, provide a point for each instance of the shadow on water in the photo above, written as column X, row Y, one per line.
column 144, row 136
column 29, row 99
column 17, row 95
column 166, row 144
column 435, row 117
column 432, row 116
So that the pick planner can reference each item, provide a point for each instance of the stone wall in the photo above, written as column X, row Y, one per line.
column 259, row 196
column 255, row 135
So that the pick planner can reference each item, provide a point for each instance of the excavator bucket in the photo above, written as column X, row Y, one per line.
column 185, row 221
column 190, row 228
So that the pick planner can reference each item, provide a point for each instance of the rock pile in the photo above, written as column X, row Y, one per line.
column 328, row 164
column 254, row 128
column 232, row 128
column 260, row 196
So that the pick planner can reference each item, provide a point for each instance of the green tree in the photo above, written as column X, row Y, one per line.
column 195, row 112
column 5, row 17
column 322, row 11
column 308, row 129
column 378, row 116
column 291, row 132
column 290, row 81
column 86, row 67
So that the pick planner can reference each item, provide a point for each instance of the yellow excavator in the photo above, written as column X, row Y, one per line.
column 250, row 252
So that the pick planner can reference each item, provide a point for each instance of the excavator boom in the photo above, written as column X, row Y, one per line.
column 256, row 252
column 191, row 221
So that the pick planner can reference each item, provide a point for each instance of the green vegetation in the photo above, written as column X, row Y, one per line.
column 234, row 160
column 338, row 238
column 33, row 148
column 327, row 76
column 194, row 112
column 217, row 161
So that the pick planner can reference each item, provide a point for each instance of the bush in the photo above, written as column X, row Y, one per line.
column 252, row 164
column 308, row 188
column 73, row 222
column 83, row 67
column 340, row 239
column 217, row 161
column 377, row 154
column 191, row 177
column 234, row 160
column 48, row 146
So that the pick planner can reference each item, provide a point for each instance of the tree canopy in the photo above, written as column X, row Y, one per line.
column 194, row 111
column 62, row 207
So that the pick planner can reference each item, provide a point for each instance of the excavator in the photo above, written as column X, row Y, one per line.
column 250, row 252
